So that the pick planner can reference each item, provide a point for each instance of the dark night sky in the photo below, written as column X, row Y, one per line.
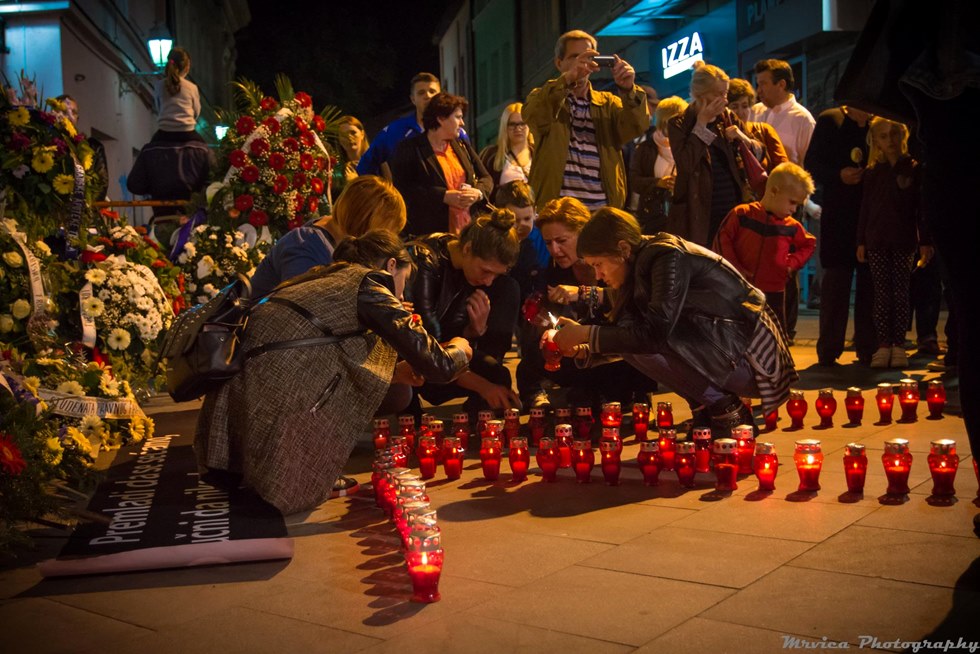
column 358, row 56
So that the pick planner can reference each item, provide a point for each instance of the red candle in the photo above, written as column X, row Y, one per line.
column 771, row 419
column 809, row 460
column 641, row 420
column 854, row 404
column 936, row 398
column 424, row 559
column 583, row 459
column 826, row 406
column 536, row 423
column 399, row 441
column 855, row 467
column 426, row 454
column 611, row 462
column 548, row 458
column 766, row 465
column 583, row 422
column 611, row 415
column 908, row 399
column 418, row 515
column 648, row 459
column 702, row 448
column 482, row 418
column 885, row 400
column 563, row 435
column 943, row 462
column 665, row 415
column 898, row 464
column 724, row 457
column 436, row 427
column 490, row 454
column 461, row 427
column 390, row 497
column 684, row 463
column 746, row 448
column 512, row 424
column 611, row 434
column 452, row 457
column 382, row 432
column 550, row 351
column 406, row 429
column 520, row 458
column 397, row 454
column 668, row 447
column 796, row 408
column 379, row 481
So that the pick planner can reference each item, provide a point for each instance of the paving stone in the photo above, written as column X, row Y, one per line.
column 40, row 625
column 918, row 515
column 699, row 635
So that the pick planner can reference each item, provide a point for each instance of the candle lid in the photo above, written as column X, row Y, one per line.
column 649, row 446
column 884, row 388
column 406, row 420
column 765, row 448
column 685, row 447
column 641, row 406
column 935, row 383
column 608, row 446
column 825, row 392
column 563, row 430
column 610, row 433
column 397, row 473
column 484, row 414
column 451, row 441
column 461, row 418
column 427, row 418
column 854, row 449
column 425, row 539
column 581, row 444
column 547, row 442
column 396, row 439
column 583, row 411
column 944, row 446
column 409, row 484
column 725, row 446
column 512, row 414
column 428, row 440
column 906, row 382
column 537, row 413
column 896, row 446
column 664, row 405
column 435, row 425
column 853, row 391
column 422, row 515
column 795, row 395
column 615, row 407
column 381, row 423
column 743, row 431
column 808, row 445
column 492, row 440
column 668, row 432
column 701, row 433
column 518, row 442
column 562, row 411
column 495, row 425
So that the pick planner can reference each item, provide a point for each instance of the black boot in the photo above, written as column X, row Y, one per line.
column 728, row 413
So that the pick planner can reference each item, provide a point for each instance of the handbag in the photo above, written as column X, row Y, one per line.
column 755, row 175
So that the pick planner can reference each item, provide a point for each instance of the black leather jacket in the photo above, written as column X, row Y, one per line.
column 438, row 290
column 682, row 297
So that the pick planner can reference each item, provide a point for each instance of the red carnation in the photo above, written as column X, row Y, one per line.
column 303, row 99
column 91, row 256
column 300, row 124
column 271, row 124
column 238, row 158
column 244, row 202
column 276, row 160
column 159, row 263
column 149, row 241
column 307, row 139
column 10, row 456
column 306, row 161
column 294, row 223
column 319, row 124
column 317, row 185
column 321, row 163
column 299, row 179
column 298, row 203
column 290, row 144
column 259, row 147
column 268, row 104
column 19, row 142
column 258, row 218
column 245, row 125
column 314, row 203
column 280, row 184
column 126, row 245
column 250, row 174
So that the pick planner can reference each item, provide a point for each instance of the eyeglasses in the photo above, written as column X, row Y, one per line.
column 516, row 125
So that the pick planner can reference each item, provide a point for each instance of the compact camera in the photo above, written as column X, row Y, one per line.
column 605, row 61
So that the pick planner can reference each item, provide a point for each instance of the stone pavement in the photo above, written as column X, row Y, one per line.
column 564, row 567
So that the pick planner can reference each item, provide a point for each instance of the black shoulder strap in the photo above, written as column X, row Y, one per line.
column 327, row 338
column 302, row 311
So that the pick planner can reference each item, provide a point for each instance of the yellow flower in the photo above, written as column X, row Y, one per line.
column 67, row 127
column 19, row 117
column 21, row 309
column 55, row 450
column 71, row 388
column 81, row 442
column 86, row 154
column 63, row 184
column 56, row 104
column 32, row 384
column 13, row 259
column 42, row 161
column 6, row 323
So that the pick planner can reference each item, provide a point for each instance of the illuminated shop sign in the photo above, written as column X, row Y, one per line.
column 680, row 55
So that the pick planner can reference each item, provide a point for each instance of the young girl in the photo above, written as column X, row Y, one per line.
column 177, row 99
column 889, row 231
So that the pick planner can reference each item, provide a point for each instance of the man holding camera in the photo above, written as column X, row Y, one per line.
column 578, row 132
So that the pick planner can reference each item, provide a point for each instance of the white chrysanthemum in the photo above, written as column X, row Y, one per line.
column 144, row 303
column 118, row 339
column 210, row 290
column 190, row 249
column 21, row 309
column 13, row 259
column 204, row 267
column 93, row 307
column 71, row 388
column 6, row 323
column 95, row 275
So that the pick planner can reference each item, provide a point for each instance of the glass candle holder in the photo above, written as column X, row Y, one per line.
column 548, row 458
column 512, row 424
column 611, row 415
column 418, row 516
column 766, row 465
column 378, row 478
column 490, row 455
column 563, row 416
column 908, row 399
column 855, row 467
column 397, row 453
column 648, row 459
column 583, row 459
column 583, row 422
column 665, row 415
column 395, row 440
column 702, row 448
column 611, row 434
column 563, row 437
column 668, row 447
column 406, row 429
column 382, row 432
column 936, row 398
column 426, row 453
column 461, row 427
column 494, row 428
column 536, row 425
column 854, row 405
column 885, row 400
column 743, row 435
column 424, row 424
column 452, row 457
column 482, row 418
column 796, row 408
column 826, row 406
column 611, row 461
column 943, row 463
column 519, row 457
column 724, row 458
column 809, row 461
column 424, row 559
column 897, row 460
column 641, row 420
column 684, row 463
column 436, row 429
column 550, row 351
column 771, row 418
column 390, row 497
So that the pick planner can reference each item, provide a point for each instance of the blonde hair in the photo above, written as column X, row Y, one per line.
column 569, row 212
column 369, row 202
column 875, row 155
column 503, row 140
column 667, row 109
column 178, row 65
column 705, row 78
column 351, row 120
column 574, row 35
column 788, row 173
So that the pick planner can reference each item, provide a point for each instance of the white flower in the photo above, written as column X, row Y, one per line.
column 13, row 259
column 119, row 339
column 210, row 290
column 93, row 307
column 43, row 248
column 212, row 189
column 91, row 426
column 71, row 388
column 6, row 323
column 205, row 267
column 191, row 287
column 202, row 299
column 239, row 253
column 95, row 275
column 109, row 386
column 21, row 309
column 20, row 171
column 144, row 303
column 212, row 237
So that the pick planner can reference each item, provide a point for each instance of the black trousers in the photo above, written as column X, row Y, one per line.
column 926, row 296
column 835, row 302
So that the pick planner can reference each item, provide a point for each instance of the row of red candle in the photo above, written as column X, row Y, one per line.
column 826, row 404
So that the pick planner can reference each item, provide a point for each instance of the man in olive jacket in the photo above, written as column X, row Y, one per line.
column 579, row 133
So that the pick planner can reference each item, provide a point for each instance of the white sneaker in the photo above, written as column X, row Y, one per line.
column 881, row 358
column 899, row 359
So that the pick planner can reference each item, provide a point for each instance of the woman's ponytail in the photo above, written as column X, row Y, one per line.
column 178, row 64
column 493, row 237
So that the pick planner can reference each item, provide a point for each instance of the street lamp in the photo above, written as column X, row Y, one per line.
column 159, row 43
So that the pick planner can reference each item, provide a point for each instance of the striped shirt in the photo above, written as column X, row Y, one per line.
column 581, row 178
column 771, row 361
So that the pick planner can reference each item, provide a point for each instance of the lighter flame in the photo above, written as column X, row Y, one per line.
column 553, row 320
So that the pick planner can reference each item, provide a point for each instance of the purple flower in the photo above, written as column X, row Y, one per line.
column 19, row 142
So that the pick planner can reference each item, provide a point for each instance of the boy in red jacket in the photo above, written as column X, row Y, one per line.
column 763, row 240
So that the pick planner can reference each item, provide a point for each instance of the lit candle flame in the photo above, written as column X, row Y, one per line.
column 553, row 320
column 809, row 459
